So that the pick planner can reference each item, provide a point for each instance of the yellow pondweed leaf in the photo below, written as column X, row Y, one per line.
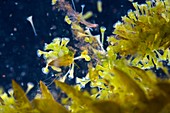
column 142, row 74
column 47, row 104
column 165, row 87
column 105, row 106
column 146, row 77
column 92, row 106
column 20, row 97
column 155, row 105
column 76, row 95
column 129, row 84
column 45, row 92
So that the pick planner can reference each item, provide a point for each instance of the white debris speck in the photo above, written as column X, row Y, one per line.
column 10, row 15
column 22, row 84
column 12, row 34
column 16, row 3
column 15, row 29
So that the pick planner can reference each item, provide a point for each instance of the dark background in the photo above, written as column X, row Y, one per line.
column 19, row 45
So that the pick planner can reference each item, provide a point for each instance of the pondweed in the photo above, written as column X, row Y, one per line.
column 119, row 81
